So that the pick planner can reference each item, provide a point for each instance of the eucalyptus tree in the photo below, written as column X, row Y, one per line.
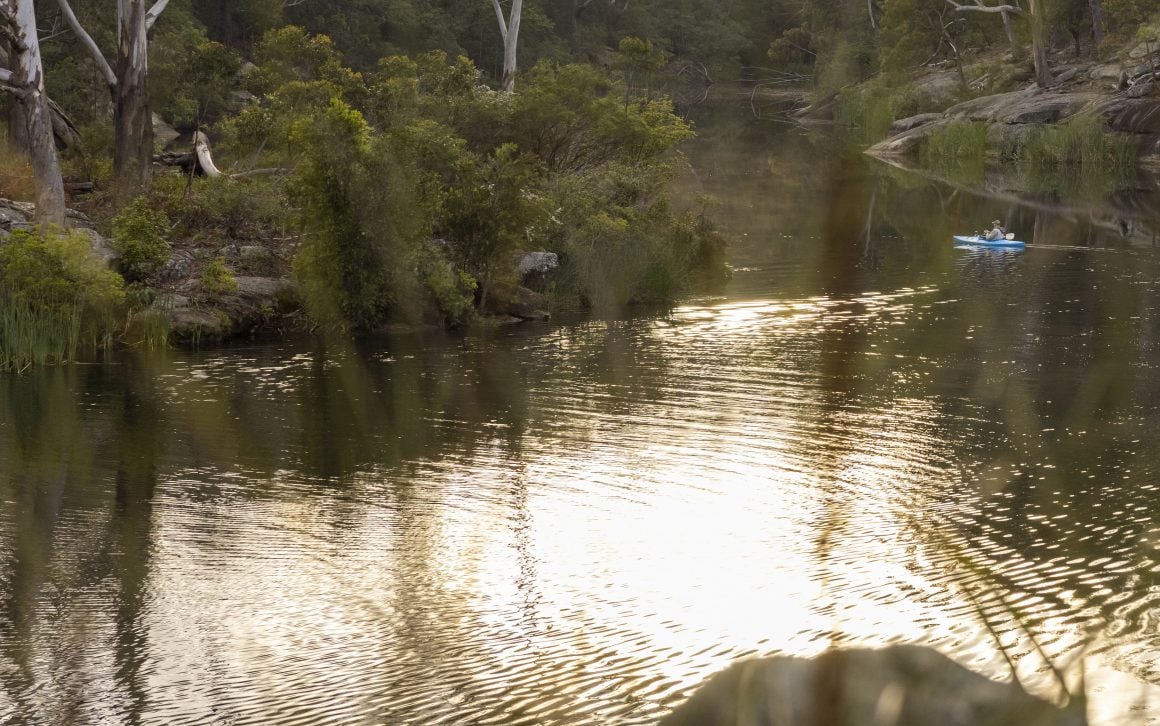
column 23, row 79
column 1034, row 14
column 509, row 29
column 128, row 81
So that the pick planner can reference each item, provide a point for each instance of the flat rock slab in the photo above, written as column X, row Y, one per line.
column 911, row 122
column 1028, row 106
column 907, row 142
column 1131, row 115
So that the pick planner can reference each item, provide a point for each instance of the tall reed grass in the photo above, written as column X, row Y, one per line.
column 958, row 141
column 1083, row 142
column 57, row 299
column 34, row 335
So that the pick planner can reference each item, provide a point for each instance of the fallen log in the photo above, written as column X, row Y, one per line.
column 200, row 162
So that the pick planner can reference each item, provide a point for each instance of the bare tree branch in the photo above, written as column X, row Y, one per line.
column 154, row 13
column 981, row 8
column 503, row 26
column 89, row 44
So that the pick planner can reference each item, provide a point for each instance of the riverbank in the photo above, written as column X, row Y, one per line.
column 997, row 95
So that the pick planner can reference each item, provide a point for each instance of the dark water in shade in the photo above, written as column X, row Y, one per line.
column 869, row 437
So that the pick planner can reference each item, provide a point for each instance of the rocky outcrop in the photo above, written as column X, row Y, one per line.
column 1028, row 106
column 194, row 315
column 19, row 215
column 517, row 303
column 1010, row 115
column 902, row 685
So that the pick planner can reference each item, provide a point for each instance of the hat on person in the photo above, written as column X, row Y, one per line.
column 996, row 223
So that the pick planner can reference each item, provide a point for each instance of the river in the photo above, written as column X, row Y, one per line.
column 867, row 437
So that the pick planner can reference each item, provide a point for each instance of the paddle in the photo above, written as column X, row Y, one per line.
column 1010, row 235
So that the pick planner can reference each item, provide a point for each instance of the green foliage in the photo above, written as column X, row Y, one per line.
column 357, row 263
column 57, row 298
column 620, row 242
column 246, row 209
column 191, row 77
column 217, row 279
column 488, row 210
column 141, row 237
column 957, row 150
column 793, row 51
column 452, row 290
column 290, row 54
column 1126, row 17
column 1082, row 142
column 572, row 118
column 638, row 60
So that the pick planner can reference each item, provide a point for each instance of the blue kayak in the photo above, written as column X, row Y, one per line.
column 983, row 242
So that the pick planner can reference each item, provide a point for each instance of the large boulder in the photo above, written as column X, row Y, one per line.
column 902, row 685
column 538, row 262
column 193, row 317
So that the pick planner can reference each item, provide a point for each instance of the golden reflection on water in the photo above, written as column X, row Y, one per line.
column 577, row 523
column 723, row 492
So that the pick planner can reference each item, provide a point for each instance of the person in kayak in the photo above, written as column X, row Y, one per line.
column 997, row 232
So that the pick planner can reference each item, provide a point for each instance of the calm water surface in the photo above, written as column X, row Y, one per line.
column 869, row 437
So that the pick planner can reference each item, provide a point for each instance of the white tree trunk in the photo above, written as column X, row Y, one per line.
column 26, row 81
column 129, row 85
column 1035, row 16
column 509, row 30
column 1039, row 44
column 133, row 122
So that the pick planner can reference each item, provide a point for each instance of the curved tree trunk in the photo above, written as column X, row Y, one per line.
column 33, row 114
column 133, row 141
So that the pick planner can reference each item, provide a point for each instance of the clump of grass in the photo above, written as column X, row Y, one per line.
column 57, row 299
column 1080, row 142
column 16, row 178
column 958, row 141
column 867, row 113
column 957, row 150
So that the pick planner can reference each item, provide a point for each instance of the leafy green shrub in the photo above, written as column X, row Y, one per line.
column 217, row 279
column 242, row 209
column 357, row 263
column 56, row 298
column 140, row 235
column 452, row 291
column 191, row 77
column 487, row 213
